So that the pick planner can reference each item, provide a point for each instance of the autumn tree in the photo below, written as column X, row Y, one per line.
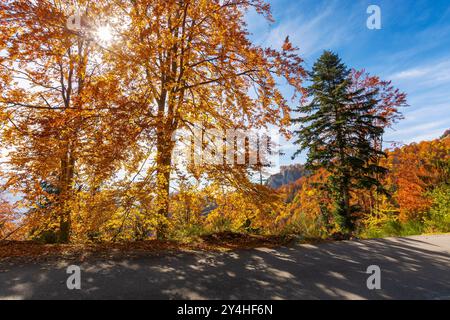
column 309, row 211
column 52, row 103
column 417, row 169
column 191, row 64
column 389, row 104
column 7, row 216
column 389, row 100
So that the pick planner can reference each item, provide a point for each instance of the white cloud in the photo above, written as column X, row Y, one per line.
column 411, row 132
column 311, row 33
column 429, row 74
column 409, row 74
column 428, row 116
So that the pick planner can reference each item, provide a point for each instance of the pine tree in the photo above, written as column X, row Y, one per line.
column 338, row 127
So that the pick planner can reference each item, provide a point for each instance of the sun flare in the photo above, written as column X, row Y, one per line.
column 105, row 34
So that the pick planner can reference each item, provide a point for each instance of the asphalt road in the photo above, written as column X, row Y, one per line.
column 411, row 268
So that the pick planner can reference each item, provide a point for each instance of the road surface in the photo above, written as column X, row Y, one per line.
column 411, row 268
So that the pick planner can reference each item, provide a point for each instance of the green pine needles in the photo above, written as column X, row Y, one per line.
column 342, row 133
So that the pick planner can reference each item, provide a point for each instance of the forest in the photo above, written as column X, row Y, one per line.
column 89, row 109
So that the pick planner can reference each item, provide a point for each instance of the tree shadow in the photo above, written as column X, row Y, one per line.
column 410, row 269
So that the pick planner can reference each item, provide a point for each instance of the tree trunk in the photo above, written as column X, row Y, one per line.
column 66, row 179
column 163, row 170
column 344, row 192
column 346, row 202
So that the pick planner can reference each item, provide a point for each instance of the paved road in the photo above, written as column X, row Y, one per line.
column 411, row 268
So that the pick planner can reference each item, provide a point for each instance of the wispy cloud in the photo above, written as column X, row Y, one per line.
column 429, row 74
column 409, row 74
column 428, row 116
column 309, row 35
column 312, row 30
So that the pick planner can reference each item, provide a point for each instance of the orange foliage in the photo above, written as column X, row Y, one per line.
column 311, row 206
column 7, row 225
column 90, row 125
column 414, row 170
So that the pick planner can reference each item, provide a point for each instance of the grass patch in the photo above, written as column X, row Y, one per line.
column 393, row 228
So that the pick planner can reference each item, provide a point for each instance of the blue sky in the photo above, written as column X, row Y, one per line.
column 412, row 49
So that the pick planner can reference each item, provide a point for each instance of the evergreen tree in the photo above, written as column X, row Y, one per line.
column 338, row 127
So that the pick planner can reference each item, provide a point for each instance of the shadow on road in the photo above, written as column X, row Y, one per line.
column 411, row 269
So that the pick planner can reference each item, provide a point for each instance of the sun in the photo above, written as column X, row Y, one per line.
column 104, row 34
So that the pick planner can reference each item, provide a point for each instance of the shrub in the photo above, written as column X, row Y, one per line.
column 390, row 226
column 438, row 219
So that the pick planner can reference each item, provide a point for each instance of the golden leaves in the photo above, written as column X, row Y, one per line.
column 84, row 119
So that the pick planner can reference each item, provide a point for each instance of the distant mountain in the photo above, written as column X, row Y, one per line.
column 446, row 134
column 287, row 175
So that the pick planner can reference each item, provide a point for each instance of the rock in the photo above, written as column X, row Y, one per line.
column 288, row 174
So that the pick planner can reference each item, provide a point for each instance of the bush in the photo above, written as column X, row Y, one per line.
column 412, row 228
column 189, row 232
column 306, row 226
column 438, row 219
column 46, row 237
column 393, row 228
